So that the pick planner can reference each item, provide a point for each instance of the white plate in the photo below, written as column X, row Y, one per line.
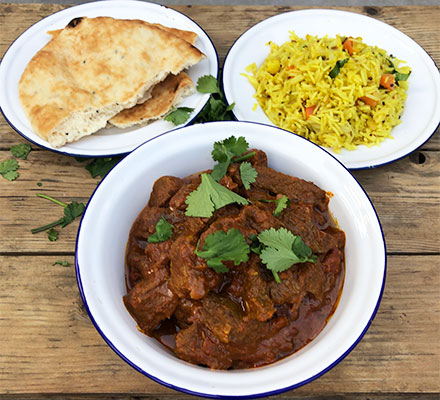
column 121, row 195
column 421, row 115
column 109, row 141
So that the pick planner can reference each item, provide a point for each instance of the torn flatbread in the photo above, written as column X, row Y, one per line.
column 93, row 69
column 164, row 96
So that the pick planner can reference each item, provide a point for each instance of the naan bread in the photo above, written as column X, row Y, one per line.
column 93, row 69
column 164, row 96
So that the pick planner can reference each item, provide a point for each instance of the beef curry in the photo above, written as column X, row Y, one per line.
column 242, row 314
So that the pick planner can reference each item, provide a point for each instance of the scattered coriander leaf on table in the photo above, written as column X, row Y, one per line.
column 248, row 174
column 282, row 249
column 71, row 211
column 163, row 232
column 52, row 234
column 220, row 246
column 21, row 150
column 101, row 166
column 179, row 116
column 210, row 196
column 62, row 263
column 8, row 169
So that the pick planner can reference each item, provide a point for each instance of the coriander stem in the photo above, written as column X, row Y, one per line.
column 52, row 199
column 48, row 226
column 245, row 157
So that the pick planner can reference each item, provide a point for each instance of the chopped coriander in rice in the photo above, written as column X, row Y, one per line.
column 337, row 92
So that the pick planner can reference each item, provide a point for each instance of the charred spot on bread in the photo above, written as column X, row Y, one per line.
column 74, row 22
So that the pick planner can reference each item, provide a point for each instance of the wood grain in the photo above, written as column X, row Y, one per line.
column 48, row 344
column 406, row 195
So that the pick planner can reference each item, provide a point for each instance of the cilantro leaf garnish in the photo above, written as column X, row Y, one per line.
column 228, row 151
column 337, row 68
column 208, row 84
column 8, row 169
column 216, row 108
column 62, row 263
column 248, row 174
column 101, row 166
column 71, row 211
column 256, row 246
column 399, row 76
column 21, row 150
column 179, row 116
column 281, row 204
column 220, row 246
column 163, row 231
column 52, row 235
column 210, row 196
column 282, row 250
column 224, row 151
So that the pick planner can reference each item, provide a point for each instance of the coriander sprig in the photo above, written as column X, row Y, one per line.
column 71, row 211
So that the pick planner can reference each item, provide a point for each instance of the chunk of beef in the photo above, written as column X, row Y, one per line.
column 298, row 218
column 223, row 317
column 177, row 202
column 145, row 223
column 295, row 189
column 259, row 159
column 296, row 283
column 291, row 289
column 189, row 277
column 255, row 292
column 187, row 312
column 163, row 189
column 250, row 220
column 199, row 346
column 149, row 306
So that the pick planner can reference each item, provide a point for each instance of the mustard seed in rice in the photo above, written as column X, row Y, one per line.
column 337, row 92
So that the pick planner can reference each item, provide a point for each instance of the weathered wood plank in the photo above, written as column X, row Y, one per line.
column 406, row 195
column 48, row 344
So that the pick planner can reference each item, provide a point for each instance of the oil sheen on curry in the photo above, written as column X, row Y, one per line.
column 234, row 267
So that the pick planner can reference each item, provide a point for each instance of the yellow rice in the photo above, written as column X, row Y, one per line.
column 295, row 75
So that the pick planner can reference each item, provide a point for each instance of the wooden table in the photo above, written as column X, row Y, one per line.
column 49, row 347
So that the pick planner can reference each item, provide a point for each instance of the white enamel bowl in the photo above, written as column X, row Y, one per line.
column 122, row 194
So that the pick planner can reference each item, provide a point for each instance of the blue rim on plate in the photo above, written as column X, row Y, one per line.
column 376, row 156
column 106, row 7
column 221, row 396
